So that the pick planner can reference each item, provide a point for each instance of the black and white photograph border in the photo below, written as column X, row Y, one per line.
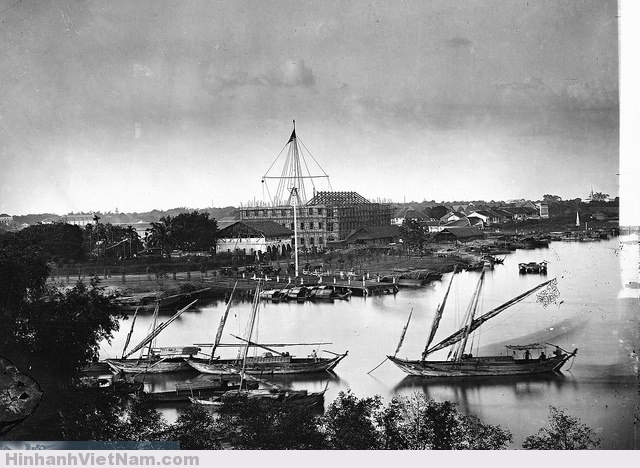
column 283, row 225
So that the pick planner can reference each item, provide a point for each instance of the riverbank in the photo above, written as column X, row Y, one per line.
column 373, row 268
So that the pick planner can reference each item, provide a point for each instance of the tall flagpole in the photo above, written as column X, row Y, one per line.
column 294, row 196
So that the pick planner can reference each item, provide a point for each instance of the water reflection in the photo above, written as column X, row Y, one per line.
column 518, row 386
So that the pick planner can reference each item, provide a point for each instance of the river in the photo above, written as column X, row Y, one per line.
column 594, row 312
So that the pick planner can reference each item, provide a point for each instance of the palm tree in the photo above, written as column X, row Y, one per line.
column 159, row 236
column 134, row 239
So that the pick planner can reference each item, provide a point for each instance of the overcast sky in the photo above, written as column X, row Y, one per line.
column 142, row 105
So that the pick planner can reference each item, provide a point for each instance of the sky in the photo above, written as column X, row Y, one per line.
column 160, row 104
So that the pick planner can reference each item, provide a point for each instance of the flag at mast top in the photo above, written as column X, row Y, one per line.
column 296, row 168
column 293, row 133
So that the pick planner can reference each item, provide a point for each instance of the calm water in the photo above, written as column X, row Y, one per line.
column 594, row 313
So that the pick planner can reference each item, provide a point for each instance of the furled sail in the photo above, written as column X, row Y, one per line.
column 404, row 331
column 460, row 334
column 436, row 319
column 157, row 331
column 223, row 320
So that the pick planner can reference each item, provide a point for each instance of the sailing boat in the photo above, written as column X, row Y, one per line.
column 272, row 362
column 459, row 364
column 157, row 360
column 274, row 392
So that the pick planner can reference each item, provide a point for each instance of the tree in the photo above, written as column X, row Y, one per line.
column 254, row 423
column 65, row 327
column 419, row 423
column 108, row 415
column 158, row 237
column 564, row 433
column 193, row 231
column 196, row 429
column 187, row 231
column 600, row 197
column 23, row 274
column 350, row 422
column 413, row 233
column 551, row 198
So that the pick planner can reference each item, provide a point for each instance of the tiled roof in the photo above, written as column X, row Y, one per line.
column 264, row 227
column 458, row 223
column 338, row 199
column 462, row 232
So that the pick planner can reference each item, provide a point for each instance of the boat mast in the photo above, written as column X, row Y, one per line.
column 151, row 336
column 252, row 320
column 223, row 321
column 155, row 323
column 294, row 196
column 457, row 336
column 436, row 319
column 473, row 306
column 292, row 180
column 404, row 331
column 133, row 322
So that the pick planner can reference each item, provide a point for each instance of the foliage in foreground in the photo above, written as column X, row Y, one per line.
column 350, row 423
column 564, row 433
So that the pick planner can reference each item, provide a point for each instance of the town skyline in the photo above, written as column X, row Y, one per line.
column 154, row 107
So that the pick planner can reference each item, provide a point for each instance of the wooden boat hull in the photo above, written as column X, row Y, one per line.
column 148, row 366
column 184, row 393
column 481, row 366
column 262, row 366
column 301, row 397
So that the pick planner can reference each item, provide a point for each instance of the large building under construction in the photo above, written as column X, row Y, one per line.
column 328, row 217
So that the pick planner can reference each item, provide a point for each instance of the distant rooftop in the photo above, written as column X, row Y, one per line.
column 264, row 227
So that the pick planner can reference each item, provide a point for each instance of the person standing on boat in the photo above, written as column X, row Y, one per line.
column 558, row 351
column 527, row 355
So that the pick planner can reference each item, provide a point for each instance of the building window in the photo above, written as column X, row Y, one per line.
column 310, row 211
column 260, row 213
column 267, row 213
column 329, row 226
column 320, row 211
column 292, row 226
column 311, row 241
column 319, row 224
column 310, row 224
column 320, row 240
column 302, row 240
column 302, row 226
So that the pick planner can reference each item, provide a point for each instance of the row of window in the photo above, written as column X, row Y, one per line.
column 312, row 240
column 312, row 225
column 285, row 213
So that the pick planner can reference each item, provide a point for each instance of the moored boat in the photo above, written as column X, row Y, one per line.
column 271, row 362
column 460, row 364
column 156, row 360
column 267, row 364
column 533, row 267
